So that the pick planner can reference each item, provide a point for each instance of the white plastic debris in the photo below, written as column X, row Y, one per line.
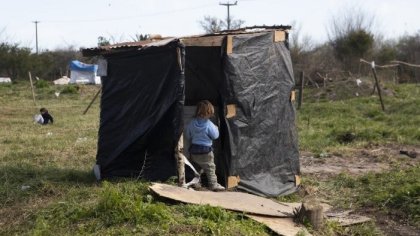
column 358, row 82
column 97, row 171
column 38, row 119
column 25, row 187
column 57, row 94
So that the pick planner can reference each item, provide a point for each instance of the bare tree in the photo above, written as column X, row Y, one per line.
column 350, row 33
column 299, row 44
column 140, row 37
column 212, row 24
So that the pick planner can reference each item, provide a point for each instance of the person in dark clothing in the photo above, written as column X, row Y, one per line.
column 46, row 116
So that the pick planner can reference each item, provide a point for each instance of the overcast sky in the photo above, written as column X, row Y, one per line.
column 79, row 23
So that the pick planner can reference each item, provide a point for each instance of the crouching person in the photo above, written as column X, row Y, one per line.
column 47, row 118
column 201, row 132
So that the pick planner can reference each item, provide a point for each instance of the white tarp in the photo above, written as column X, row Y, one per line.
column 84, row 77
column 62, row 81
column 5, row 80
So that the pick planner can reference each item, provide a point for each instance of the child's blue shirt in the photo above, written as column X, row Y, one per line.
column 202, row 132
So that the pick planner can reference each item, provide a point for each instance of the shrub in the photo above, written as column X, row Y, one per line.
column 42, row 84
column 70, row 89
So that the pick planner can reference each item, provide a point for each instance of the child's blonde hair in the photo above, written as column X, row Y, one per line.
column 204, row 109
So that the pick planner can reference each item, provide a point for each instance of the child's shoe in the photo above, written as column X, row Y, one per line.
column 217, row 188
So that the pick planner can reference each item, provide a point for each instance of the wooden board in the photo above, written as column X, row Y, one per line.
column 279, row 36
column 347, row 219
column 229, row 44
column 231, row 110
column 209, row 41
column 236, row 201
column 233, row 181
column 282, row 226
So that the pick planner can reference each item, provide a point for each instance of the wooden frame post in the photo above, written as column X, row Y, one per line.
column 302, row 83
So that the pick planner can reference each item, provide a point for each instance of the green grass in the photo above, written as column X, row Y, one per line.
column 325, row 126
column 47, row 186
column 395, row 192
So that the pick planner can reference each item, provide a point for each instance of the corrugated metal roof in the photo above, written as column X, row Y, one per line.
column 127, row 46
column 163, row 41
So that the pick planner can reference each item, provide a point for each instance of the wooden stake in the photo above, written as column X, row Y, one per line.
column 312, row 211
column 32, row 87
column 94, row 98
column 180, row 161
column 377, row 86
column 302, row 83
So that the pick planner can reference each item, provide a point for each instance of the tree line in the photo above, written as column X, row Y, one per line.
column 351, row 37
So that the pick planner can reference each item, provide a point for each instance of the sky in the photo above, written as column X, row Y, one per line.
column 79, row 23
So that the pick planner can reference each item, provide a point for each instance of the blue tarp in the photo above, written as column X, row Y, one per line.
column 80, row 66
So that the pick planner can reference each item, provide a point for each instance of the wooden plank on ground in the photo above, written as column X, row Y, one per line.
column 349, row 219
column 282, row 226
column 236, row 201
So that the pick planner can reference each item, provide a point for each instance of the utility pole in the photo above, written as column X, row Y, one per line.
column 227, row 4
column 36, row 35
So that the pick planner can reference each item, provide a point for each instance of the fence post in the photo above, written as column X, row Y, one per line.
column 302, row 83
column 377, row 85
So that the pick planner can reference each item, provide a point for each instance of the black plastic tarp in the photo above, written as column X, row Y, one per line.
column 141, row 113
column 263, row 139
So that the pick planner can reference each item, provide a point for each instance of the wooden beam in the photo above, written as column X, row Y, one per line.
column 209, row 41
column 229, row 44
column 233, row 181
column 279, row 36
column 231, row 111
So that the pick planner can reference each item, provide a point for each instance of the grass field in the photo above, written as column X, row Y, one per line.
column 47, row 186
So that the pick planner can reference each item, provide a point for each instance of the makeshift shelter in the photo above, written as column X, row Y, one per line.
column 81, row 73
column 247, row 74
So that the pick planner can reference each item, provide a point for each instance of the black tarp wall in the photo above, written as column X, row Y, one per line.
column 141, row 113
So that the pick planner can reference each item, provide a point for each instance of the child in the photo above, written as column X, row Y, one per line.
column 46, row 116
column 201, row 132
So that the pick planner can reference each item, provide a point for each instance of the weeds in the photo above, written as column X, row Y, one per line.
column 394, row 192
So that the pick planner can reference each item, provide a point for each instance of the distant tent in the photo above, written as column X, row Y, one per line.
column 81, row 73
column 150, row 88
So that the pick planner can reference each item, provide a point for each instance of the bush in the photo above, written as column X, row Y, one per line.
column 42, row 84
column 70, row 89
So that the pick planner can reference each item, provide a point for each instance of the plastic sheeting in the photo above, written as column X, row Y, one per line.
column 80, row 66
column 263, row 139
column 84, row 77
column 142, row 109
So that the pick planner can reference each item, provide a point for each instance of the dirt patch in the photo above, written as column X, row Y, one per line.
column 391, row 224
column 357, row 161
